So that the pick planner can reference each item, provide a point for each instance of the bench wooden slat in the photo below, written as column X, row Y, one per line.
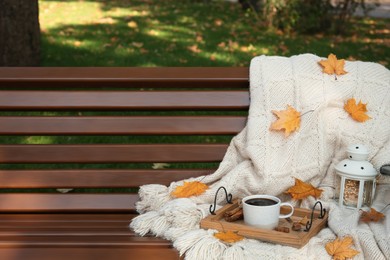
column 91, row 241
column 38, row 219
column 151, row 125
column 125, row 77
column 106, row 153
column 150, row 252
column 96, row 178
column 48, row 202
column 47, row 230
column 123, row 100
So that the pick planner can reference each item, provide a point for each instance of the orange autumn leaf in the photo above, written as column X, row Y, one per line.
column 333, row 66
column 372, row 215
column 288, row 119
column 228, row 237
column 188, row 189
column 340, row 249
column 302, row 190
column 356, row 111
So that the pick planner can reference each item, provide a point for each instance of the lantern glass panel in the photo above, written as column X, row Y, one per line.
column 351, row 193
column 368, row 193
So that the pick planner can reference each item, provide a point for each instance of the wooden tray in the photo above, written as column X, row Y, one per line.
column 293, row 238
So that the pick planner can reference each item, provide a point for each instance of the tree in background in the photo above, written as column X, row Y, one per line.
column 19, row 33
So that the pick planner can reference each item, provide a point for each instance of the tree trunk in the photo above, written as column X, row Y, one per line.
column 19, row 33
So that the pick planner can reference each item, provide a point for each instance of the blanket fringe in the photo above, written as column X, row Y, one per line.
column 178, row 215
column 200, row 244
column 234, row 252
column 152, row 197
column 143, row 223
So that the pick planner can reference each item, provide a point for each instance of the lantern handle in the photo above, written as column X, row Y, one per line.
column 321, row 216
column 385, row 169
column 228, row 199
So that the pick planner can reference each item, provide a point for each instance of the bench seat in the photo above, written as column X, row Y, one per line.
column 77, row 236
column 161, row 115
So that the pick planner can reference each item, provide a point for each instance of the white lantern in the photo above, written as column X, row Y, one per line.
column 357, row 179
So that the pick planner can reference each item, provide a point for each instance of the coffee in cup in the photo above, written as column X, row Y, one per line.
column 263, row 211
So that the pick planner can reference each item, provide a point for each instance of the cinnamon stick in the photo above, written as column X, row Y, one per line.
column 236, row 216
column 231, row 212
column 283, row 229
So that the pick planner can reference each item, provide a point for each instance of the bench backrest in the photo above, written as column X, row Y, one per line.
column 137, row 116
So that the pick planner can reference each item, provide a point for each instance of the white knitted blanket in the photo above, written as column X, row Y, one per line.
column 260, row 161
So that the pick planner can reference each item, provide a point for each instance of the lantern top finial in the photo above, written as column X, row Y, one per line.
column 357, row 152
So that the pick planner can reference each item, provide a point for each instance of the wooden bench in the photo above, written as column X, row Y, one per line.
column 36, row 221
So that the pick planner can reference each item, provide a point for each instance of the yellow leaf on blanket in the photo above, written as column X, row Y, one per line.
column 302, row 190
column 289, row 120
column 188, row 189
column 372, row 215
column 333, row 66
column 340, row 249
column 228, row 237
column 357, row 111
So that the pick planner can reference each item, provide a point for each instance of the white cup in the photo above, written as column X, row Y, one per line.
column 267, row 214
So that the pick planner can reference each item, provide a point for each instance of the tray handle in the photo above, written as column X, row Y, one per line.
column 228, row 200
column 321, row 216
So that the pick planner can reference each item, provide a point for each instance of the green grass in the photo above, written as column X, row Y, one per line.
column 186, row 33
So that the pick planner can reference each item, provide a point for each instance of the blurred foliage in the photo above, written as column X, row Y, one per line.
column 307, row 16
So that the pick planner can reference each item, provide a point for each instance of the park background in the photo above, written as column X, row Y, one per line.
column 190, row 32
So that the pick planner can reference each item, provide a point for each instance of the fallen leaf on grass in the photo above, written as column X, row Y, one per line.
column 64, row 190
column 218, row 22
column 160, row 165
column 222, row 45
column 371, row 216
column 132, row 24
column 289, row 120
column 333, row 66
column 302, row 190
column 340, row 249
column 137, row 44
column 77, row 43
column 153, row 32
column 229, row 236
column 199, row 38
column 188, row 189
column 356, row 111
column 194, row 49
